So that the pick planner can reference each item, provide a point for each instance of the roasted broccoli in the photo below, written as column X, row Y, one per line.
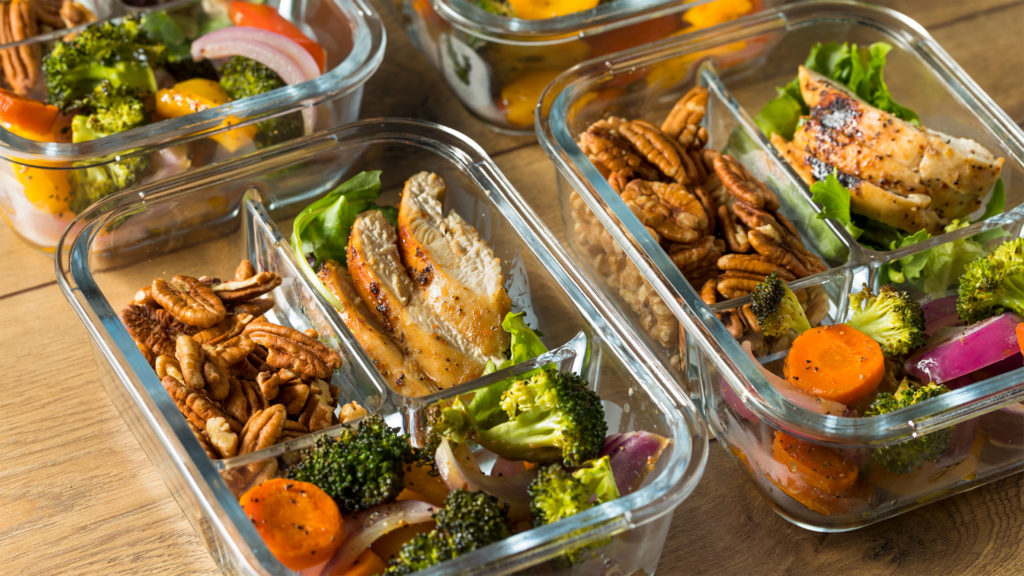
column 557, row 493
column 908, row 456
column 469, row 520
column 993, row 284
column 552, row 416
column 360, row 468
column 892, row 318
column 241, row 78
column 777, row 308
column 108, row 110
column 91, row 184
column 122, row 53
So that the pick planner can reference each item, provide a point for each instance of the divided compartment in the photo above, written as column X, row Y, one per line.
column 102, row 262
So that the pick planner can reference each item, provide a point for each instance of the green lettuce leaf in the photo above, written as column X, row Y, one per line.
column 525, row 345
column 861, row 70
column 835, row 203
column 946, row 262
column 321, row 230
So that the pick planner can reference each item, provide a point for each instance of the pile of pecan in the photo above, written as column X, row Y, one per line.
column 242, row 382
column 720, row 225
column 23, row 19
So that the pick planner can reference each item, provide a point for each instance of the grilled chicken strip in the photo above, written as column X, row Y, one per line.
column 455, row 270
column 382, row 282
column 907, row 213
column 965, row 165
column 401, row 373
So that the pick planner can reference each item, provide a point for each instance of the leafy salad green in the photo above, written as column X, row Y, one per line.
column 860, row 69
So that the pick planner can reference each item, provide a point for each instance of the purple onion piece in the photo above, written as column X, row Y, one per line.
column 967, row 350
column 632, row 457
column 459, row 469
column 959, row 445
column 940, row 313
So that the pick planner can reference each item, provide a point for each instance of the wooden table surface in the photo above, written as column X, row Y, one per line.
column 78, row 496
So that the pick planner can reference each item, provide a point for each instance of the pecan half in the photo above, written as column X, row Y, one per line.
column 352, row 411
column 215, row 373
column 708, row 292
column 292, row 429
column 733, row 324
column 710, row 208
column 734, row 233
column 168, row 366
column 234, row 350
column 152, row 327
column 223, row 439
column 691, row 257
column 191, row 358
column 683, row 122
column 245, row 270
column 291, row 349
column 742, row 184
column 668, row 209
column 263, row 429
column 251, row 287
column 224, row 330
column 256, row 307
column 236, row 403
column 22, row 66
column 769, row 247
column 189, row 301
column 614, row 153
column 293, row 397
column 755, row 264
column 74, row 14
column 652, row 144
column 316, row 414
column 736, row 284
column 269, row 383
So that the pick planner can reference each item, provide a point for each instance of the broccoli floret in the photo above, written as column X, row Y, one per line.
column 108, row 110
column 184, row 68
column 777, row 308
column 892, row 318
column 89, row 185
column 360, row 468
column 469, row 520
column 556, row 494
column 241, row 78
column 552, row 416
column 122, row 53
column 908, row 456
column 993, row 284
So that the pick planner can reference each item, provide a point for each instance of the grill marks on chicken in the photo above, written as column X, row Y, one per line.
column 456, row 271
column 401, row 372
column 909, row 177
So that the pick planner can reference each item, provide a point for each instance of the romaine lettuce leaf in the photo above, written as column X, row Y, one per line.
column 835, row 203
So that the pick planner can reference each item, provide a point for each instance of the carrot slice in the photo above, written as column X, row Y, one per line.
column 1020, row 336
column 821, row 467
column 298, row 521
column 367, row 564
column 836, row 363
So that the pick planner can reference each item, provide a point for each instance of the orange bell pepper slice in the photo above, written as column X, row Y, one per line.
column 26, row 117
column 199, row 94
column 267, row 18
column 542, row 9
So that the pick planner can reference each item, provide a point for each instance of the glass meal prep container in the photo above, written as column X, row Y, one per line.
column 498, row 66
column 666, row 310
column 349, row 30
column 104, row 258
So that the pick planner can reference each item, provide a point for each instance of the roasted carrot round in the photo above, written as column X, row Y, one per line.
column 819, row 466
column 836, row 363
column 367, row 564
column 1020, row 336
column 298, row 521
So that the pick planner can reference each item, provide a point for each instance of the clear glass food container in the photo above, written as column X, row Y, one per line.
column 498, row 66
column 919, row 74
column 349, row 30
column 127, row 240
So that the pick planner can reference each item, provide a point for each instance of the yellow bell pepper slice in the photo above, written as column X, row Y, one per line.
column 542, row 9
column 197, row 95
column 715, row 13
column 519, row 98
column 46, row 189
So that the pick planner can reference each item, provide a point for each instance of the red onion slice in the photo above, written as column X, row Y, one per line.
column 967, row 350
column 632, row 456
column 459, row 469
column 365, row 528
column 507, row 468
column 940, row 313
column 283, row 55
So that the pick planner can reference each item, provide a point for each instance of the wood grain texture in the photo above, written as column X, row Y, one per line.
column 78, row 496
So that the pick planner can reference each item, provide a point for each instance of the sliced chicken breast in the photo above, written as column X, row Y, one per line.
column 848, row 155
column 400, row 372
column 908, row 213
column 382, row 282
column 963, row 164
column 455, row 270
